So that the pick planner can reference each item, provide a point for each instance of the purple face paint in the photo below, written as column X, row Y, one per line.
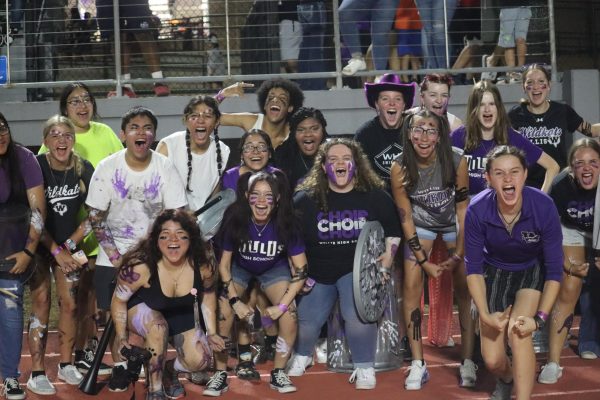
column 152, row 189
column 254, row 197
column 330, row 168
column 119, row 184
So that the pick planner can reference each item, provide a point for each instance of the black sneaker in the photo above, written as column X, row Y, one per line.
column 281, row 382
column 217, row 385
column 83, row 362
column 119, row 380
column 270, row 351
column 12, row 390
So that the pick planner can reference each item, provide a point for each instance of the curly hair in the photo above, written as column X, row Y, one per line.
column 296, row 94
column 408, row 159
column 239, row 214
column 70, row 88
column 316, row 183
column 473, row 125
column 147, row 250
column 189, row 109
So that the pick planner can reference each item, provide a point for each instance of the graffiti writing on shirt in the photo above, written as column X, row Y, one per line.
column 530, row 237
column 255, row 250
column 345, row 224
column 540, row 135
column 118, row 183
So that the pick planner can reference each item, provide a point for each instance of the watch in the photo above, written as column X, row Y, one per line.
column 539, row 322
column 70, row 245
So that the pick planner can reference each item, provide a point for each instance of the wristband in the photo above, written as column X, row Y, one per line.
column 282, row 307
column 57, row 250
column 29, row 253
column 219, row 96
column 423, row 261
column 114, row 257
column 70, row 245
column 542, row 315
column 539, row 322
column 456, row 257
column 233, row 300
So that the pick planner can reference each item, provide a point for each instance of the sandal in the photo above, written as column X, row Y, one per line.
column 246, row 370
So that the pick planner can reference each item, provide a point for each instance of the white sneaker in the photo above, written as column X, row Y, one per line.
column 550, row 373
column 418, row 375
column 468, row 373
column 70, row 374
column 588, row 355
column 363, row 378
column 354, row 65
column 298, row 364
column 321, row 351
column 490, row 76
column 41, row 385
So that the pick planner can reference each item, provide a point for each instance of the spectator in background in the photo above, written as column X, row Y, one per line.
column 381, row 15
column 407, row 35
column 435, row 17
column 312, row 16
column 290, row 35
column 136, row 26
column 215, row 61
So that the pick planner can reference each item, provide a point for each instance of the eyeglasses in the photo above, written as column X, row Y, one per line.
column 76, row 102
column 419, row 131
column 68, row 136
column 259, row 148
column 196, row 116
column 3, row 130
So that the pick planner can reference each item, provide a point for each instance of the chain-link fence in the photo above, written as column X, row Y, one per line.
column 198, row 45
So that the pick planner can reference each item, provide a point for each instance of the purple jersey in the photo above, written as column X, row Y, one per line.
column 30, row 170
column 476, row 159
column 536, row 236
column 263, row 250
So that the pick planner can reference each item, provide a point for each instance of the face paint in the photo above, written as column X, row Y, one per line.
column 330, row 168
column 254, row 197
column 123, row 292
column 37, row 221
column 36, row 325
column 129, row 275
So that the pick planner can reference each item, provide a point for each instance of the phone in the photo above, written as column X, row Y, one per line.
column 80, row 257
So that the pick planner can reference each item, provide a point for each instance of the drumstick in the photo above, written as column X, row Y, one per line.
column 10, row 294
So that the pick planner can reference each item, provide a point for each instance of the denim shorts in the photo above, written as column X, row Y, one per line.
column 575, row 237
column 426, row 234
column 270, row 277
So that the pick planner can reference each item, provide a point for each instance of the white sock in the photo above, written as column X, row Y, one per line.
column 157, row 75
column 127, row 85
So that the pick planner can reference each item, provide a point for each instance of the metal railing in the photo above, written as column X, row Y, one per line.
column 53, row 45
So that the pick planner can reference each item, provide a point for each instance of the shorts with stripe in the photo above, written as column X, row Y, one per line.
column 502, row 286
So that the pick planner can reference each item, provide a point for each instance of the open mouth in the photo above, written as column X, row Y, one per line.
column 261, row 210
column 509, row 192
column 587, row 179
column 61, row 151
column 341, row 172
column 200, row 133
column 140, row 144
column 309, row 145
column 392, row 112
column 275, row 108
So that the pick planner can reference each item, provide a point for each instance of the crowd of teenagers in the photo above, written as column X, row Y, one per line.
column 112, row 222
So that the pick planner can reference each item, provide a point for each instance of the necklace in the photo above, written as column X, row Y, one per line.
column 65, row 173
column 509, row 225
column 175, row 280
column 303, row 162
column 259, row 232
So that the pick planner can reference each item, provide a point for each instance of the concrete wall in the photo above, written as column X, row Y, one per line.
column 345, row 110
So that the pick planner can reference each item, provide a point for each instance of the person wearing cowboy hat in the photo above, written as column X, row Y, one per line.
column 380, row 136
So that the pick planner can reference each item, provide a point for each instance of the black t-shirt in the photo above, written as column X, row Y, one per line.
column 292, row 162
column 64, row 198
column 550, row 131
column 575, row 205
column 331, row 237
column 381, row 145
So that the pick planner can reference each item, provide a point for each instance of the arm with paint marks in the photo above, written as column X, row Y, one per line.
column 61, row 252
column 104, row 235
column 209, row 308
column 37, row 204
column 588, row 129
column 406, row 221
column 391, row 248
column 130, row 279
column 241, row 309
column 461, row 202
column 300, row 272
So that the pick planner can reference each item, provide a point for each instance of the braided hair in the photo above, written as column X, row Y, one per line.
column 189, row 109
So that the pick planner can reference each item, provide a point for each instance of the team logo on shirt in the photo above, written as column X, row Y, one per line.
column 345, row 224
column 386, row 157
column 540, row 135
column 57, row 194
column 530, row 237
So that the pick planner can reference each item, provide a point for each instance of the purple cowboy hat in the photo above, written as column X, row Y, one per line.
column 391, row 82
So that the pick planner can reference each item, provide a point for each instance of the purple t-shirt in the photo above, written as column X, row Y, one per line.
column 536, row 237
column 30, row 169
column 477, row 159
column 232, row 175
column 263, row 250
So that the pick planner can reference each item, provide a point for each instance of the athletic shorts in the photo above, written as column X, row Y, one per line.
column 575, row 237
column 279, row 273
column 134, row 16
column 514, row 24
column 502, row 286
column 103, row 282
column 290, row 38
column 427, row 234
column 409, row 42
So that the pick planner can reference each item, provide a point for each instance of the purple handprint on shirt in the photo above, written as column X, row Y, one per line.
column 119, row 184
column 151, row 190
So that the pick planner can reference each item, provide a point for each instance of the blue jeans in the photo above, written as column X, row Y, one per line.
column 313, row 18
column 315, row 307
column 11, row 328
column 381, row 13
column 433, row 34
column 589, row 302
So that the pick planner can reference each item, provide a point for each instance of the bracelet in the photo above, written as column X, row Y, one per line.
column 219, row 97
column 233, row 300
column 28, row 252
column 456, row 257
column 282, row 307
column 423, row 261
column 70, row 245
column 57, row 250
column 542, row 315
